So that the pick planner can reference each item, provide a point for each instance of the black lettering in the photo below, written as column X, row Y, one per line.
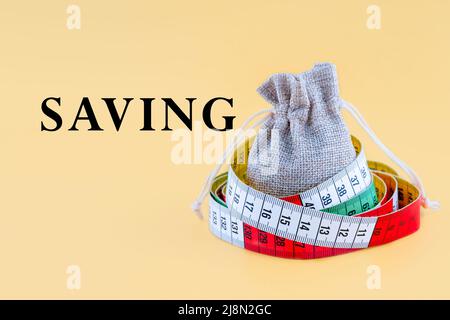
column 117, row 120
column 180, row 114
column 207, row 115
column 147, row 114
column 52, row 114
column 90, row 115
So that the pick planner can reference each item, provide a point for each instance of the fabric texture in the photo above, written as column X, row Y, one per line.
column 305, row 141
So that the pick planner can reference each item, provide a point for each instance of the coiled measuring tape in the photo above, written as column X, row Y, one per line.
column 366, row 204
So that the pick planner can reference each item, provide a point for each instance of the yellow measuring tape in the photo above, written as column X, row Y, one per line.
column 364, row 205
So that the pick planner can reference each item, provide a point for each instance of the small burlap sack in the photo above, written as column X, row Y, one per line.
column 305, row 141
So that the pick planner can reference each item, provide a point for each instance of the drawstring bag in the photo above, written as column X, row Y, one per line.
column 305, row 141
column 311, row 142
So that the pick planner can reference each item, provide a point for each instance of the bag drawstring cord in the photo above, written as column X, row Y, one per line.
column 240, row 133
column 427, row 203
column 196, row 206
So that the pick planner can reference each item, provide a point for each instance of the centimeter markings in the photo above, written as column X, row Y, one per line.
column 298, row 223
column 312, row 228
column 291, row 221
column 220, row 219
column 363, row 202
column 350, row 182
column 301, row 224
column 345, row 185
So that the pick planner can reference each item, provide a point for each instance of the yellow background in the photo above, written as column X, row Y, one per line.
column 114, row 203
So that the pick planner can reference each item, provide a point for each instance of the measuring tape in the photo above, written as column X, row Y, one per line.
column 364, row 205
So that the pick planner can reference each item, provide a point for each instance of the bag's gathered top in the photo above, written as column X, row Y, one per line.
column 310, row 142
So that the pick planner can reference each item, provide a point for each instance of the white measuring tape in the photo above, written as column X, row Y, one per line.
column 364, row 205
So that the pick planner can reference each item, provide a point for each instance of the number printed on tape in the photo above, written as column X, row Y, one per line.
column 347, row 232
column 308, row 226
column 214, row 212
column 270, row 215
column 289, row 221
column 237, row 232
column 328, row 230
column 296, row 227
column 225, row 224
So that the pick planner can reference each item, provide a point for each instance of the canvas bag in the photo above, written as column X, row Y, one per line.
column 305, row 141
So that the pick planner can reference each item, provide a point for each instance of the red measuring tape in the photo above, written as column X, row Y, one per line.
column 365, row 205
column 387, row 223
